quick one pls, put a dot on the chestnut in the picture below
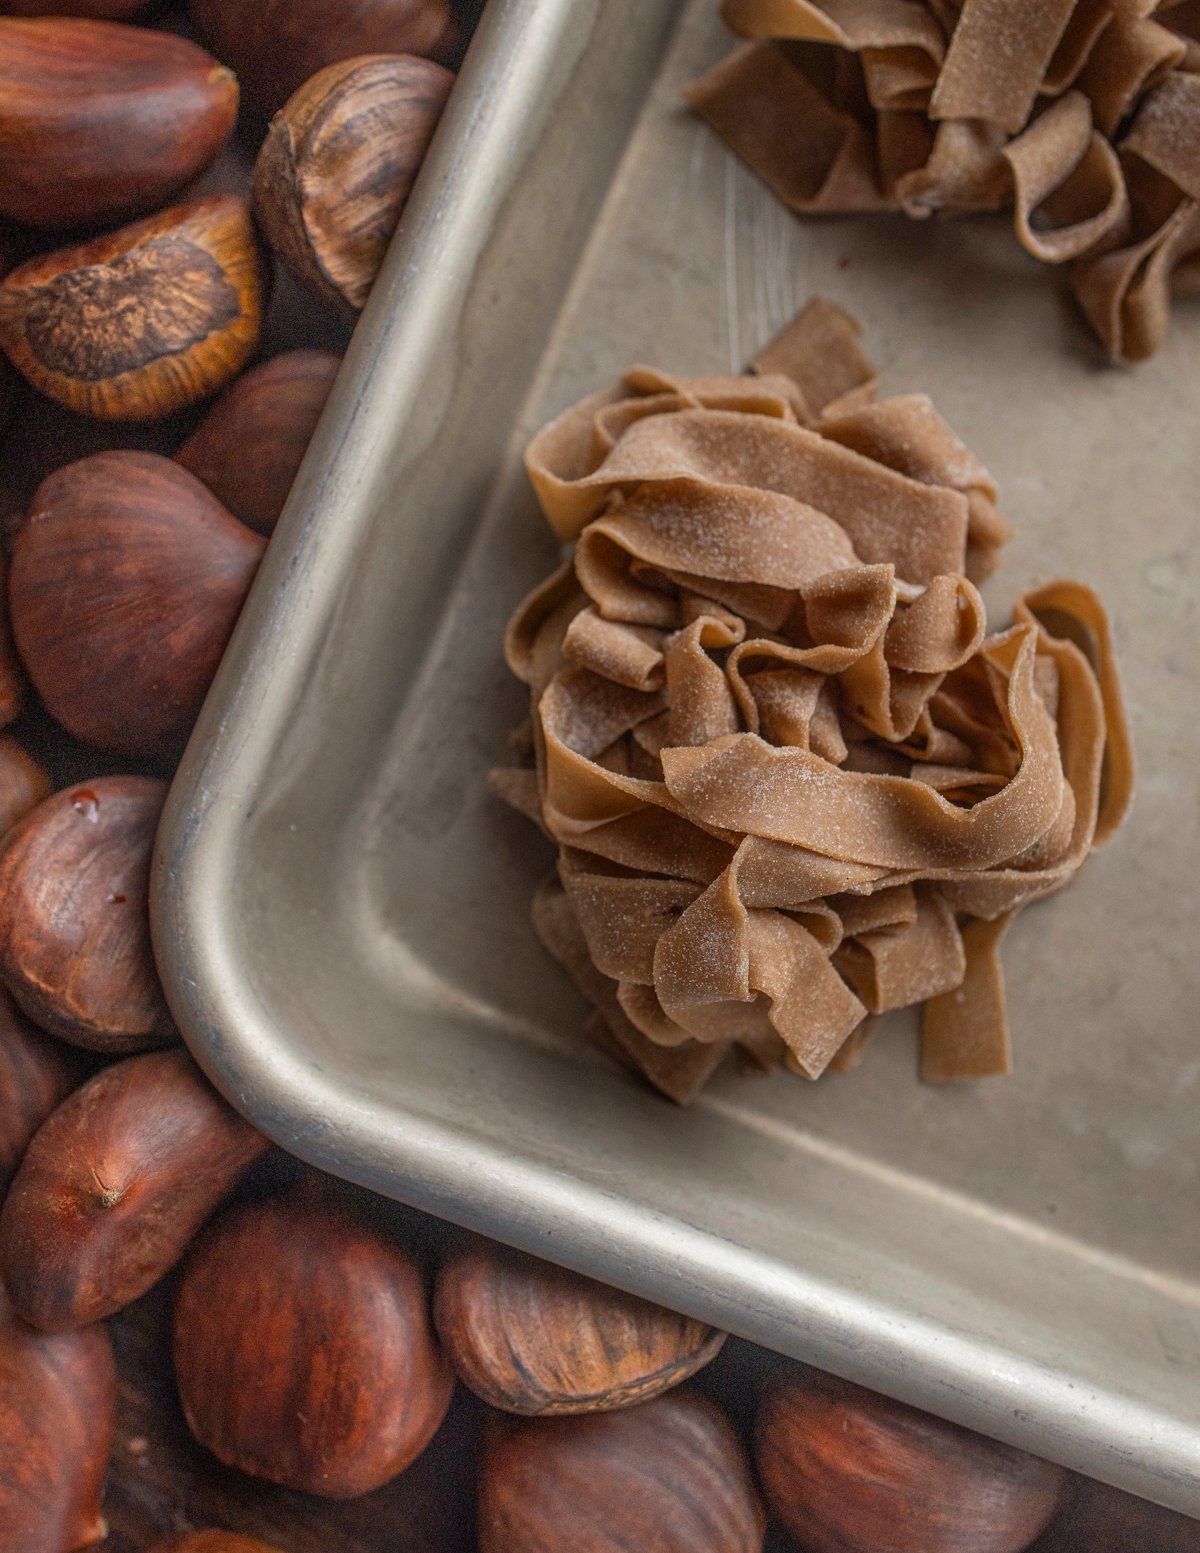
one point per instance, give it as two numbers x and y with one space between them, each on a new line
277 45
212 1542
668 1475
126 582
99 121
23 783
36 1073
532 1338
849 1471
74 929
338 165
303 1347
58 1398
272 409
115 1185
143 321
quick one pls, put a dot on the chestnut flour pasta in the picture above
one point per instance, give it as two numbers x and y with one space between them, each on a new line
794 779
1081 116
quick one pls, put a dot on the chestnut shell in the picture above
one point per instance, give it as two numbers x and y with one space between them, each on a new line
74 927
36 1074
277 45
58 1400
303 1347
532 1338
669 1475
273 409
140 322
849 1471
99 121
338 165
114 1187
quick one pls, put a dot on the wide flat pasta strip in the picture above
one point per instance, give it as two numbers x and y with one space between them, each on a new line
1127 293
816 156
678 1072
1166 132
964 1031
997 60
1046 107
820 352
1061 167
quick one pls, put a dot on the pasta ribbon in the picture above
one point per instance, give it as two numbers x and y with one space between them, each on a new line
794 779
1082 117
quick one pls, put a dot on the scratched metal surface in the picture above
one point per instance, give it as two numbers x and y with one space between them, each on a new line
341 914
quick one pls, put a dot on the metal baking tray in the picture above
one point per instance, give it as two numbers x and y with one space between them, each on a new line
342 911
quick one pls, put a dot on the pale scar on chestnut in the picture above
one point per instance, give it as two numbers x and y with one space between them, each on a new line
100 321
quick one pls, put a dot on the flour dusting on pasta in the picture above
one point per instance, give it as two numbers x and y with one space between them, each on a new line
794 777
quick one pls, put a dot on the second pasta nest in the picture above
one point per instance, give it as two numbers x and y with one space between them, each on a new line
1082 116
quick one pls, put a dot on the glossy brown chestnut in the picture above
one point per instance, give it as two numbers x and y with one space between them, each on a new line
532 1338
273 410
143 321
126 582
57 1403
212 1542
100 121
277 45
848 1471
23 783
303 1347
338 165
36 1074
114 1187
74 928
669 1475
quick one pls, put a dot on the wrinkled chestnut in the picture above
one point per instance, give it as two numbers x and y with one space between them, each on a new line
99 121
23 783
303 1347
532 1338
74 930
58 1399
848 1471
338 165
277 45
212 1542
144 321
668 1475
36 1074
114 1187
272 412
126 582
